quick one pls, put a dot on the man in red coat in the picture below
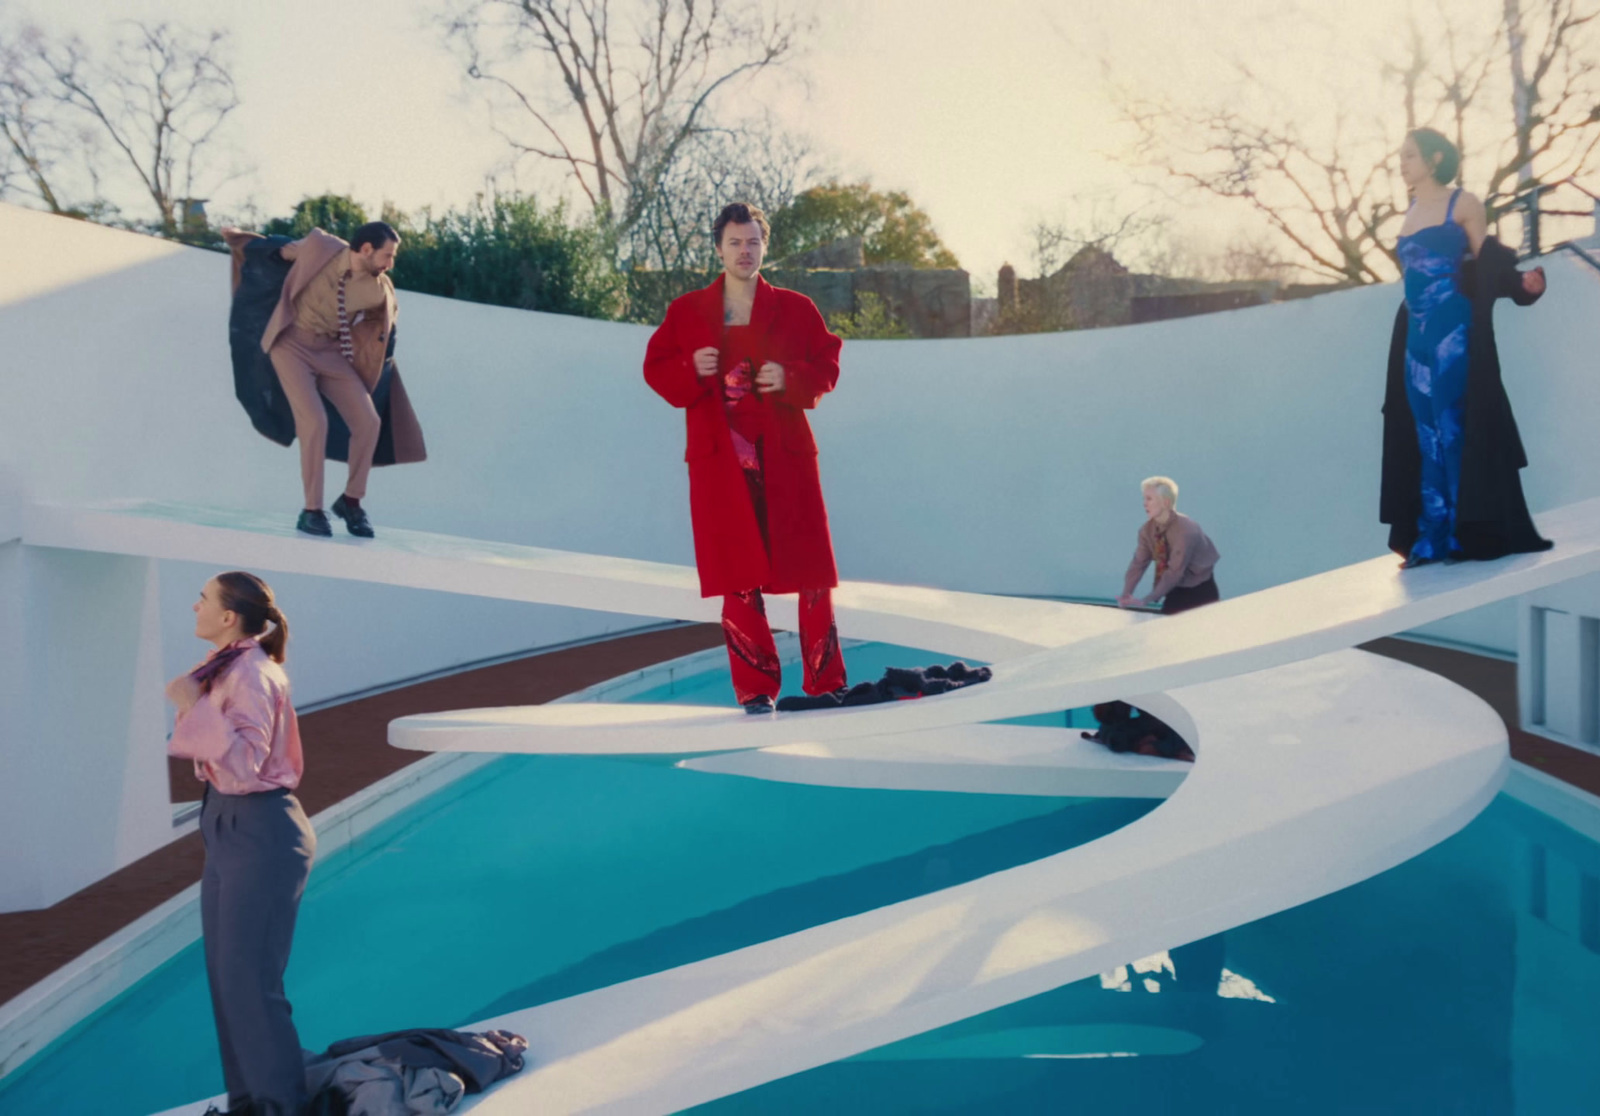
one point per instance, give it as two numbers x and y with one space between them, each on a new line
746 360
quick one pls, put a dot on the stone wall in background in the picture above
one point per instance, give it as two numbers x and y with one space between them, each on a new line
931 301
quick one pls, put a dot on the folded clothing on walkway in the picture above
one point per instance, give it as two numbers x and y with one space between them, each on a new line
897 684
420 1072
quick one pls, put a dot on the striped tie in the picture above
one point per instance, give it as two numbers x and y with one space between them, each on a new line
346 346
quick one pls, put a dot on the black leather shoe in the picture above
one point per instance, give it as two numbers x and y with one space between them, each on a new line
314 523
355 519
758 705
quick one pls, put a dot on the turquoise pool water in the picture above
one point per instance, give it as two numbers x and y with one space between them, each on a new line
540 877
1465 981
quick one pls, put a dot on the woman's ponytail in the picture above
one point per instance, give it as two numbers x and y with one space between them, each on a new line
276 642
251 599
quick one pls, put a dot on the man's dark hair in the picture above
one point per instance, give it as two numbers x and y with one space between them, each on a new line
1431 143
739 213
375 233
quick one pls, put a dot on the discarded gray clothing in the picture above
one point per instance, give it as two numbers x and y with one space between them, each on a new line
420 1072
373 1085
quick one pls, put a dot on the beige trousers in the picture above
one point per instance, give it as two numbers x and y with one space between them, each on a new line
309 367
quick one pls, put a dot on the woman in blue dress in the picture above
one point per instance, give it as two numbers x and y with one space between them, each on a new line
1451 488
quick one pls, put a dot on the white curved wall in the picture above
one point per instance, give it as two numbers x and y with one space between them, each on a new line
1003 465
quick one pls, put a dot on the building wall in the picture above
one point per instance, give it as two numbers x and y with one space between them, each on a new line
1092 291
1161 307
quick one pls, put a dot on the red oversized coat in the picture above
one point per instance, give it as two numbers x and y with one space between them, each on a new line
786 329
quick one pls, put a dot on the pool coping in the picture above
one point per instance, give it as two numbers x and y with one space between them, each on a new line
1572 806
36 1017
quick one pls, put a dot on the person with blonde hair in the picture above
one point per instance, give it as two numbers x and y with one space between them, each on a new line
1184 557
235 722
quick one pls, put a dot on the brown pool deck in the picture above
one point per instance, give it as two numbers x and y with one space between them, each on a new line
347 750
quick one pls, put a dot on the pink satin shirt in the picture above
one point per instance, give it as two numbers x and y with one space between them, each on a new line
243 735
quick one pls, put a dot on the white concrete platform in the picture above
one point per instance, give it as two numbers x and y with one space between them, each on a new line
1312 776
975 625
1297 620
971 759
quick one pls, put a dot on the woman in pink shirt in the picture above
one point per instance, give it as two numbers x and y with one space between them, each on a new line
235 722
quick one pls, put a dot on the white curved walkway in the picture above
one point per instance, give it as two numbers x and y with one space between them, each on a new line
1312 777
1289 622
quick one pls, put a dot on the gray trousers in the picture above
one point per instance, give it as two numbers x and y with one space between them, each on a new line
258 855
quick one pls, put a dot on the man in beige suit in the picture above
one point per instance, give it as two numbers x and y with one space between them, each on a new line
327 338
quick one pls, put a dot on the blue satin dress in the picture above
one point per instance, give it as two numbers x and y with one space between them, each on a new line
1436 372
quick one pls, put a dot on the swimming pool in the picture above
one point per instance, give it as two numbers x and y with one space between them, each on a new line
1462 981
536 878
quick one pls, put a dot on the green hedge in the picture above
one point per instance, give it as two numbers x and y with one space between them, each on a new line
505 250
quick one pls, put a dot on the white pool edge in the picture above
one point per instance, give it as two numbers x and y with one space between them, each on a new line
43 1013
1572 806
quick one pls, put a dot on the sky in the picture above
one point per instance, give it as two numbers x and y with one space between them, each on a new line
993 116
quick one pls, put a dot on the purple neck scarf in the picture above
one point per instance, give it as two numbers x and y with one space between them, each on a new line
213 668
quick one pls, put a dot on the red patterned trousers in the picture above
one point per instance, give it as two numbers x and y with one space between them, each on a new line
754 657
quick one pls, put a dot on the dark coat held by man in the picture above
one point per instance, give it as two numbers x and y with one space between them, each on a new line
269 295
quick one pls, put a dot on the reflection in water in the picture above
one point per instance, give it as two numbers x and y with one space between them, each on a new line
1232 986
1557 970
1156 966
1463 981
1105 1040
1160 968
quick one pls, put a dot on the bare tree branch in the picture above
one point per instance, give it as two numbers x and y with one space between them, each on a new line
1335 201
619 89
1100 227
33 140
161 98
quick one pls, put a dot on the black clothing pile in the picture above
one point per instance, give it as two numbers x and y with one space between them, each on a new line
897 684
1126 729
